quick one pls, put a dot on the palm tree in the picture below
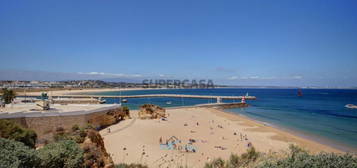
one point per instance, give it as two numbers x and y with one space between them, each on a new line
8 95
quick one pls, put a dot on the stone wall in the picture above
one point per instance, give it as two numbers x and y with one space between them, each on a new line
225 105
47 125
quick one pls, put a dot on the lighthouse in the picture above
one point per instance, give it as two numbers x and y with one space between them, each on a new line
243 99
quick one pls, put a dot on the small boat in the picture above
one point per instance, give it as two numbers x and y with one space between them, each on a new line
101 101
124 101
169 102
351 106
299 93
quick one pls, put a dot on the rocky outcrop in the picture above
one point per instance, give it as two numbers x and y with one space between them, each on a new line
109 118
151 111
95 154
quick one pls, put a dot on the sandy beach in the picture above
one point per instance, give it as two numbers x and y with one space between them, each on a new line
214 134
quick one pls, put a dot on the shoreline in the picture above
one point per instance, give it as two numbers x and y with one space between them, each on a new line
304 135
338 146
312 137
127 140
287 134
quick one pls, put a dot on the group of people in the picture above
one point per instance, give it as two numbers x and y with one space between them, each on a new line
173 143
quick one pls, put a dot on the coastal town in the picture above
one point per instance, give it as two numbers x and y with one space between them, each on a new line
73 84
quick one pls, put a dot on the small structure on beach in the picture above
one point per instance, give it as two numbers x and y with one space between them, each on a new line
151 111
44 103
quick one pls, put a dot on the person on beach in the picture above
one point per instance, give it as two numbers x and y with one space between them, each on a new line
249 145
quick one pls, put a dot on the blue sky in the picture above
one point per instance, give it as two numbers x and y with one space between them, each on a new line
233 42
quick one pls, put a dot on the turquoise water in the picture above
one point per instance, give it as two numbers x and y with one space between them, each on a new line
319 113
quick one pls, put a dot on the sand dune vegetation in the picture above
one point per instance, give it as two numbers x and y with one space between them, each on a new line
295 157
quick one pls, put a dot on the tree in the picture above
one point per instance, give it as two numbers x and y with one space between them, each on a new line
11 130
8 95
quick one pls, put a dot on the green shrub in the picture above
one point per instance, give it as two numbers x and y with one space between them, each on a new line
78 134
126 110
245 160
234 161
82 133
89 126
16 155
62 136
75 127
66 154
216 163
11 130
298 158
78 139
250 156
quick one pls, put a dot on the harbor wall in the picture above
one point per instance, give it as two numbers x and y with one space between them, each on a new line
225 105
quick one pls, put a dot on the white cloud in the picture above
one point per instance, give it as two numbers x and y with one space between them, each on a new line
94 73
255 77
111 75
233 78
296 77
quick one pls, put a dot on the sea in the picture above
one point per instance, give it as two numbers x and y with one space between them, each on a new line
319 114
